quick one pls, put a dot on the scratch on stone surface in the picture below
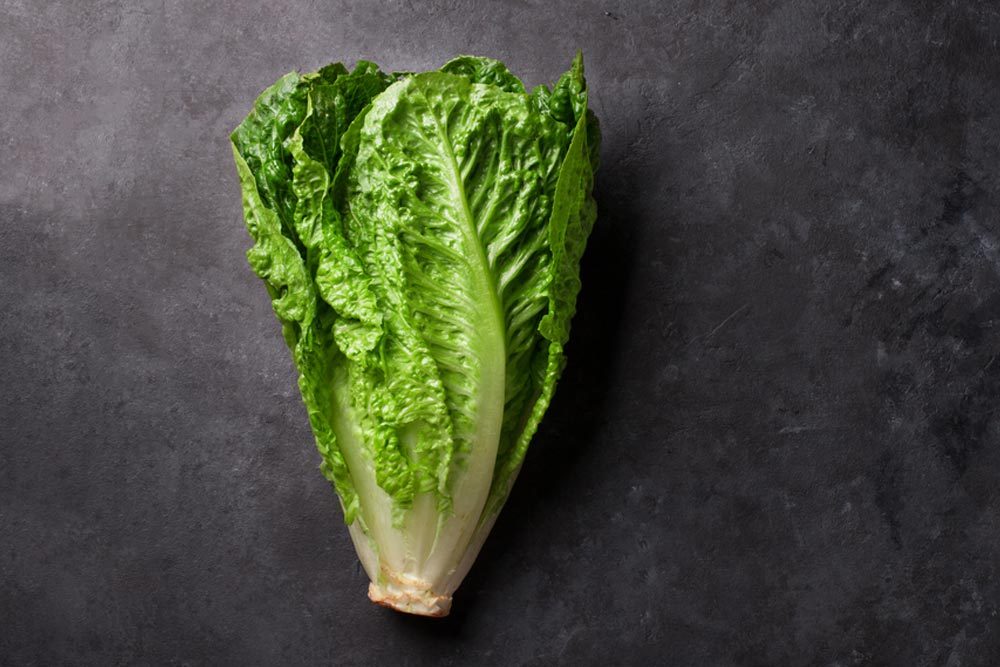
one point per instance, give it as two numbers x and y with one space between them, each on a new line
797 429
724 74
988 364
719 325
805 428
731 316
725 321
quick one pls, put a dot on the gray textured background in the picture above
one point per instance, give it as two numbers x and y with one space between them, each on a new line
778 439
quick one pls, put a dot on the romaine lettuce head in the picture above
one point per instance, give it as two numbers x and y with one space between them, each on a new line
420 237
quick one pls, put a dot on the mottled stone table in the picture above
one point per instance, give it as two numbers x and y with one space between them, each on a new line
778 439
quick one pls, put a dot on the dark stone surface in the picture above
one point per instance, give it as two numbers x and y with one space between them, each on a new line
778 439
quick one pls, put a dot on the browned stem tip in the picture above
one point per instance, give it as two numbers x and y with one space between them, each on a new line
409 597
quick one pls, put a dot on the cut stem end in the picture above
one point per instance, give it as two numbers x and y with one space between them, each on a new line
409 596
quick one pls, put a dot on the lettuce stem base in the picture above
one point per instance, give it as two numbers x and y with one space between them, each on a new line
408 595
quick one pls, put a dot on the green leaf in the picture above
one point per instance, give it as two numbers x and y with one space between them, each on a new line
485 71
290 217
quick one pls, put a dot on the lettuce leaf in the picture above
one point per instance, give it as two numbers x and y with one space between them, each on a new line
420 236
